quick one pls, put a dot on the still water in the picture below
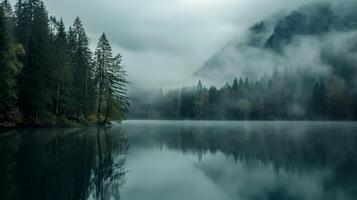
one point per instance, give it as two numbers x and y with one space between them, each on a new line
170 160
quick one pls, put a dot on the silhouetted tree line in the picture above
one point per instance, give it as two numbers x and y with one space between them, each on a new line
277 142
281 96
48 74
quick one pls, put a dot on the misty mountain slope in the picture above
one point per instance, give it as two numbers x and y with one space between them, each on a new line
319 38
308 20
313 19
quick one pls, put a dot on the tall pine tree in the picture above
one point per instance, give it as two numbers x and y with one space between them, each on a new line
61 72
7 9
33 32
81 62
104 59
117 100
9 68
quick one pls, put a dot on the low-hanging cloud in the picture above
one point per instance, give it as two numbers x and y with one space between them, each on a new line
314 53
165 42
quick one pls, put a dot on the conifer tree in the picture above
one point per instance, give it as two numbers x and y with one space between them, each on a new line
33 32
9 68
18 8
241 82
103 63
9 19
246 83
235 85
116 89
7 9
61 74
199 86
81 62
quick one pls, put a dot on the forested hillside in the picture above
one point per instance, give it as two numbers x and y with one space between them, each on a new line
318 38
48 74
298 66
281 97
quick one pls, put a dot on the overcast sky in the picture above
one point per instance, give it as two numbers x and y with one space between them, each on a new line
164 42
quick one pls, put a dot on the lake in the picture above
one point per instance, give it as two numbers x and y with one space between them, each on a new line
182 160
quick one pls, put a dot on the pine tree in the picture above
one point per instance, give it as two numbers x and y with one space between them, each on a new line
10 19
61 74
9 68
318 99
246 83
18 8
7 9
33 32
81 62
117 98
104 59
235 85
199 86
201 105
241 83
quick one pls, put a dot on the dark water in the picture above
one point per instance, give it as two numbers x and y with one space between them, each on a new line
156 160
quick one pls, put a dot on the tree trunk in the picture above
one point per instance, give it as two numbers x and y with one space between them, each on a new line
99 107
57 98
86 94
99 101
109 102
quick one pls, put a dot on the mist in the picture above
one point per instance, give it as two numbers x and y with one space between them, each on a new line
165 42
308 51
178 99
304 53
235 59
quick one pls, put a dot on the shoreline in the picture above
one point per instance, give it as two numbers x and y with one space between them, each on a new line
5 125
89 124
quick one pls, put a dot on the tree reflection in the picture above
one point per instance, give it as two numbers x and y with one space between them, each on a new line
292 148
62 164
109 170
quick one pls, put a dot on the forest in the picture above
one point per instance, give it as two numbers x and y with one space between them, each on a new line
48 74
288 95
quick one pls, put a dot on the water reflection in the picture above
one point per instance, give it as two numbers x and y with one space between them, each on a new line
182 160
62 164
252 160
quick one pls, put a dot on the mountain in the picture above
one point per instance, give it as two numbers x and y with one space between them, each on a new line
319 37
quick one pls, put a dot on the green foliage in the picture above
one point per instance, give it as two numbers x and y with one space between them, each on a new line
33 32
309 20
117 92
201 105
47 74
61 70
110 77
9 68
81 63
235 85
288 96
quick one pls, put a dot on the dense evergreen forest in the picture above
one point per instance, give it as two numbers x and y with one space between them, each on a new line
281 96
49 76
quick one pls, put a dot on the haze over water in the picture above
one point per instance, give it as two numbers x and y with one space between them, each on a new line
182 160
